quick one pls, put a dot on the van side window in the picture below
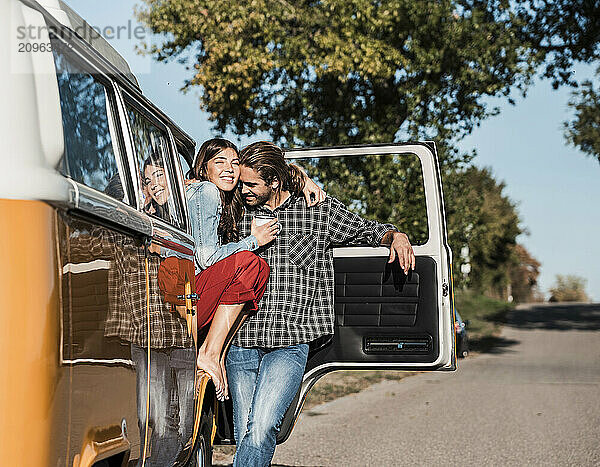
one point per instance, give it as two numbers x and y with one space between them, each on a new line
402 203
91 152
156 174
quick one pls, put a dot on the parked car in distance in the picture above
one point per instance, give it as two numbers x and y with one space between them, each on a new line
462 337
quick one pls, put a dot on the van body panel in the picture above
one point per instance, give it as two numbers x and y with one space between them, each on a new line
35 389
31 128
93 260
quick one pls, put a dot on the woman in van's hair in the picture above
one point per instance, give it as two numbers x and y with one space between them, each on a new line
230 279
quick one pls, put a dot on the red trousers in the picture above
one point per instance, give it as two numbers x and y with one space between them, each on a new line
239 278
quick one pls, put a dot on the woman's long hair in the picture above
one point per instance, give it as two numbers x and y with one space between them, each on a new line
231 201
268 161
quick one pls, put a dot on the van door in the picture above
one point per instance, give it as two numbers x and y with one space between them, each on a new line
385 319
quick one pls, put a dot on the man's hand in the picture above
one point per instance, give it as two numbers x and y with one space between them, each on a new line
312 192
400 247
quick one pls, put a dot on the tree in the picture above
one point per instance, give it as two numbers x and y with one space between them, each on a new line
335 72
344 71
523 275
583 131
478 212
569 288
561 33
492 236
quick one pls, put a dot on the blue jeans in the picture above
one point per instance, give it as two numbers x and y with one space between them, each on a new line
262 383
171 400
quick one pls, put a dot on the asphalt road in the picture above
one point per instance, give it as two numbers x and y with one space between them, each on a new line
535 400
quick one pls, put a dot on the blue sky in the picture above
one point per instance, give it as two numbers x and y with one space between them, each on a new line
555 187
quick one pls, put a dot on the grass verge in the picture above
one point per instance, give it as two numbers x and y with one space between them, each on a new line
486 317
342 383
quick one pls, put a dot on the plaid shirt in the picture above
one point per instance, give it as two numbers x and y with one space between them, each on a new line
298 304
126 317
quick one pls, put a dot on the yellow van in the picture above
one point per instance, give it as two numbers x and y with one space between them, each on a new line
93 216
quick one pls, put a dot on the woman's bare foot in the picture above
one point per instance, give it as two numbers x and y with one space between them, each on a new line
212 366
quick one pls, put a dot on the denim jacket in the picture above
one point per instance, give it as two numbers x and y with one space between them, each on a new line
204 202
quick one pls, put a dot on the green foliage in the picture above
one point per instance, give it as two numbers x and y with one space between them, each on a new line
486 317
386 187
560 33
335 72
569 288
584 130
491 232
343 71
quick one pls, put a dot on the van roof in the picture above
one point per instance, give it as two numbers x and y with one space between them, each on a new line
86 33
102 47
98 43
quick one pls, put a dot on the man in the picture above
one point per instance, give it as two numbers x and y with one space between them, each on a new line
266 364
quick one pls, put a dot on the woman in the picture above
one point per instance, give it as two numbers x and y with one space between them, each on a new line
229 278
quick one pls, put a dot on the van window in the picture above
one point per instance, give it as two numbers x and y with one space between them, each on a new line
151 145
91 153
403 203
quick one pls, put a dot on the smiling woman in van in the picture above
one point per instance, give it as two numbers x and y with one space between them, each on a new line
229 278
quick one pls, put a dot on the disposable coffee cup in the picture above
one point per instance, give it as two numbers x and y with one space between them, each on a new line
261 219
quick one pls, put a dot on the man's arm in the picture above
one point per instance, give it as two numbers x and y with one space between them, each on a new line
346 228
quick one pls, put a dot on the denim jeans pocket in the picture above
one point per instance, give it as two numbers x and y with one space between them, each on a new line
243 358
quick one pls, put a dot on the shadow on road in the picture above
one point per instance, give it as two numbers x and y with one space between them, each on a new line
492 344
560 317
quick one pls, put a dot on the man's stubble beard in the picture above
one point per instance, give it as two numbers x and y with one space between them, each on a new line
260 200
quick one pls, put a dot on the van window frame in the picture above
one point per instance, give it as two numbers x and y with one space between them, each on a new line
183 150
84 58
434 208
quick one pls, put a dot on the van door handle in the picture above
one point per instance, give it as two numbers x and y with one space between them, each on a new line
102 443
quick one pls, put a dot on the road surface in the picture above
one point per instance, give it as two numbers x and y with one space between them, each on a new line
535 400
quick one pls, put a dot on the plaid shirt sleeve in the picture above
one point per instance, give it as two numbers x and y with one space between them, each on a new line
348 228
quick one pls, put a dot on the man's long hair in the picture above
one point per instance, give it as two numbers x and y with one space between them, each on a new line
231 201
268 161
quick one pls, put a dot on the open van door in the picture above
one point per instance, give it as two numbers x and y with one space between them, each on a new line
384 319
